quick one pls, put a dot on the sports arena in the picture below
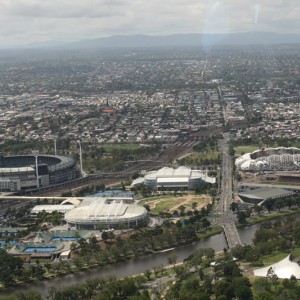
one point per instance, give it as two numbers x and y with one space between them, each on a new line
270 159
169 179
99 213
27 172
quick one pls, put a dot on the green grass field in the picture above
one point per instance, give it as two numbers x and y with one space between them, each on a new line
166 204
296 253
245 149
274 258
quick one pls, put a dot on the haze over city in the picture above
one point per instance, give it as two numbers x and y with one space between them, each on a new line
31 22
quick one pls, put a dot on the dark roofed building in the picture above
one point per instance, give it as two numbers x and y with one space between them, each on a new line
258 196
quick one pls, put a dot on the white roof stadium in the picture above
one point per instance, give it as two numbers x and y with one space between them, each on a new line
281 158
170 177
103 211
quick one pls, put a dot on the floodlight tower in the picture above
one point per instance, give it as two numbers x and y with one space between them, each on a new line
80 156
55 140
36 154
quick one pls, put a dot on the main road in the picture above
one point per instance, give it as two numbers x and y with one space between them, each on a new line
227 218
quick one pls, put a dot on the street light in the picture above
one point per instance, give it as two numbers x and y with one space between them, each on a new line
36 154
80 156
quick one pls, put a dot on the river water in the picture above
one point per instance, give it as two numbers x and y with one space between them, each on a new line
137 265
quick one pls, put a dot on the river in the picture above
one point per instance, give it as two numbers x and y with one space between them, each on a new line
135 266
140 264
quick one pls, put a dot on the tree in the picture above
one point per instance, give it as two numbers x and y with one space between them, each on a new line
105 236
147 206
278 204
205 223
147 273
233 206
172 258
181 209
241 217
258 209
10 267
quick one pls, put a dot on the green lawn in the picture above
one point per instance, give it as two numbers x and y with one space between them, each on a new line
272 216
245 149
274 258
296 253
165 204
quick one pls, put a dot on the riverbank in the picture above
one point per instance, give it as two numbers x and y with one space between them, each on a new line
268 217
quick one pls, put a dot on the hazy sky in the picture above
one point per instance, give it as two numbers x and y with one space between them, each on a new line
35 21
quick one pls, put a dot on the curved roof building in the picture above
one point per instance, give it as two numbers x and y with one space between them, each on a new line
182 178
94 213
280 158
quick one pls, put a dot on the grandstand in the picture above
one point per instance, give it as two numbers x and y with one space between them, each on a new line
19 173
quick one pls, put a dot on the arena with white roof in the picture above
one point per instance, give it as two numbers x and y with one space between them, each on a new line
280 158
97 213
182 178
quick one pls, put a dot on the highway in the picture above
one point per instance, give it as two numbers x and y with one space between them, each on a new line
227 218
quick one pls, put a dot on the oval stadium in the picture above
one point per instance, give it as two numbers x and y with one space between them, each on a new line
19 173
106 213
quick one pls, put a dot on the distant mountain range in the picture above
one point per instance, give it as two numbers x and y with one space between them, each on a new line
176 40
181 40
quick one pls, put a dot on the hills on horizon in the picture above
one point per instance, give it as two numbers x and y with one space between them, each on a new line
193 39
206 41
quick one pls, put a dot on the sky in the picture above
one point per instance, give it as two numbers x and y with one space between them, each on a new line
25 22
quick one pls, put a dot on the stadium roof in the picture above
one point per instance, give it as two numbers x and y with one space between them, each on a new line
96 211
52 208
17 170
180 172
172 179
71 201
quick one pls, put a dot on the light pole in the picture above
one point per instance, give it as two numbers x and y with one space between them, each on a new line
55 139
80 156
36 154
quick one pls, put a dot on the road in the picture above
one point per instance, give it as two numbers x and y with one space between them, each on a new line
227 218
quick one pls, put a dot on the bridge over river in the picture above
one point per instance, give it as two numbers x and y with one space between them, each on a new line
227 217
